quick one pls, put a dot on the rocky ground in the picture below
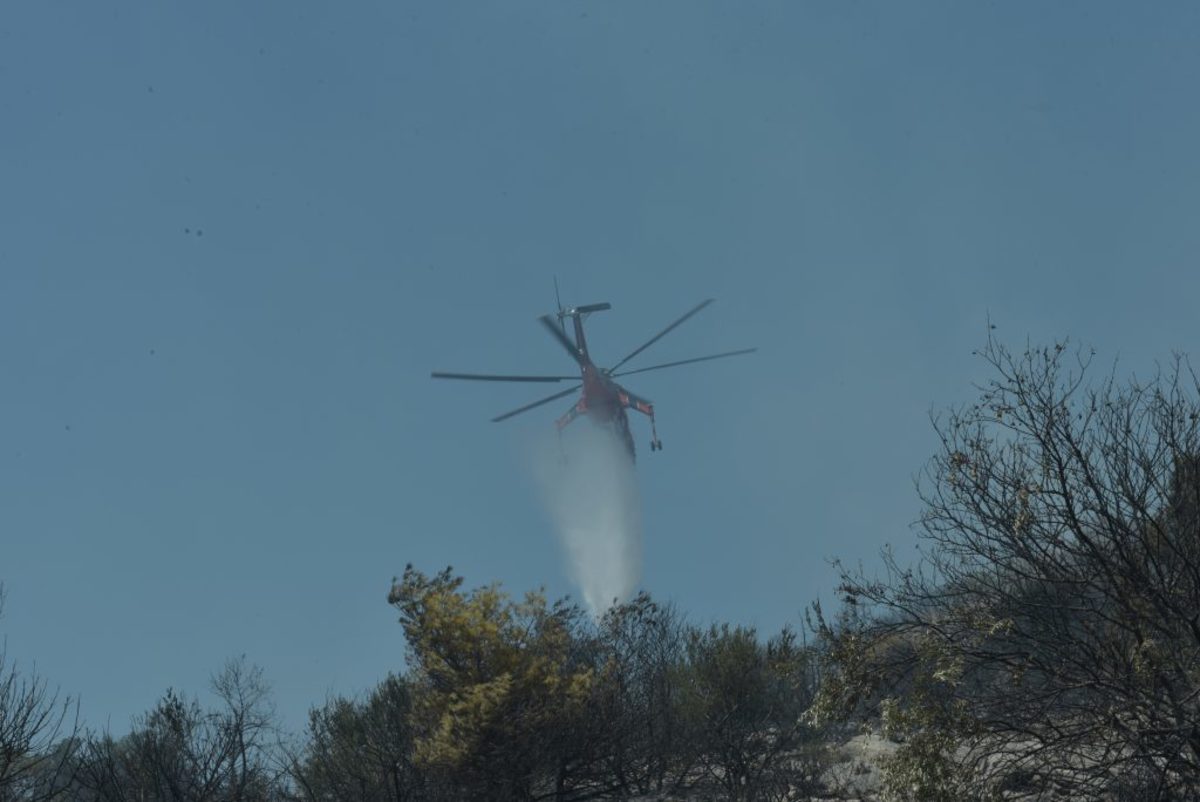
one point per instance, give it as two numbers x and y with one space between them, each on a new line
853 775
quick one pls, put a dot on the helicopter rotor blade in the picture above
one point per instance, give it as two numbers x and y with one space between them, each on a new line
487 377
661 334
559 335
528 407
558 302
685 362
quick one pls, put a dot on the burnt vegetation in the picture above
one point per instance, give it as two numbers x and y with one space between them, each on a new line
1046 645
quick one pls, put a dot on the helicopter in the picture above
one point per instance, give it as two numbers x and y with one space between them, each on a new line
602 400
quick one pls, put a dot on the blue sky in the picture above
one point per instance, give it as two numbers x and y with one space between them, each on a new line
236 237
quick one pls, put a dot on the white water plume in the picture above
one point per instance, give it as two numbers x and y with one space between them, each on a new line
591 493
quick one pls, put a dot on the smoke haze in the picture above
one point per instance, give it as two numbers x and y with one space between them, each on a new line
590 490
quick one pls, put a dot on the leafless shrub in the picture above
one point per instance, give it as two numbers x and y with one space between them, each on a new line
37 733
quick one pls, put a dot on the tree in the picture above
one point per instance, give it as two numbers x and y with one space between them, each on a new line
247 723
362 750
180 752
639 659
37 734
745 701
500 688
1051 636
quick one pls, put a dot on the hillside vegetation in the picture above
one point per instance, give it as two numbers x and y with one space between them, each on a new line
1046 646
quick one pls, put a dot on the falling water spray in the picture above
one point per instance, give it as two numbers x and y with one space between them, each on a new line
590 491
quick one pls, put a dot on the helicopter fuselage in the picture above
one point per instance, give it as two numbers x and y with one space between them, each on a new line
602 399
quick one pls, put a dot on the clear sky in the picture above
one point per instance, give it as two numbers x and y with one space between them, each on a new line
235 237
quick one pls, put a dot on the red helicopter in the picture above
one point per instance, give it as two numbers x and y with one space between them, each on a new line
603 400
